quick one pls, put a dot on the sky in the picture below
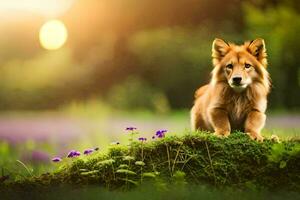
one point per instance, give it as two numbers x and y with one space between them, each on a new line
46 8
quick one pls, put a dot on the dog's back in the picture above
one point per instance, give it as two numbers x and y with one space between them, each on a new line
201 91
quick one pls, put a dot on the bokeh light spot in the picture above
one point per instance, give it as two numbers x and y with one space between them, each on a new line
53 34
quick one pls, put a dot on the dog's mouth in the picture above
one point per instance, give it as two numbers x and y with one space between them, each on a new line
238 87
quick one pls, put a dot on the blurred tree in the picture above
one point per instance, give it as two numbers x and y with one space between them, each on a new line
136 94
178 57
280 27
166 44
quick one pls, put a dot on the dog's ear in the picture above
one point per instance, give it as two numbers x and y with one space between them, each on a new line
219 50
258 49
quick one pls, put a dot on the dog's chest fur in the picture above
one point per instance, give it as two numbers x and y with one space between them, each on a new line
238 105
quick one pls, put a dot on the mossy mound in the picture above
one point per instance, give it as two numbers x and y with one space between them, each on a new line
196 158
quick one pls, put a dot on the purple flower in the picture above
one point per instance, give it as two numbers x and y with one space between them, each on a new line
77 153
56 159
88 151
73 153
142 139
130 128
161 133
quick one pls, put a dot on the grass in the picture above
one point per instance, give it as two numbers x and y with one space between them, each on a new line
199 159
183 165
149 192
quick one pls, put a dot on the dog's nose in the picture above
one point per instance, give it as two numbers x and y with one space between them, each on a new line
237 80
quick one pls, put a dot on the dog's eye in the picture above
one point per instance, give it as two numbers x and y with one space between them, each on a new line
247 66
229 66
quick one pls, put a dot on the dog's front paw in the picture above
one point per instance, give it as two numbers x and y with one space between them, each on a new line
255 136
221 133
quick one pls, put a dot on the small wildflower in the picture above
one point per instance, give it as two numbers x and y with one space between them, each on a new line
56 159
73 153
88 151
77 153
142 139
161 133
130 128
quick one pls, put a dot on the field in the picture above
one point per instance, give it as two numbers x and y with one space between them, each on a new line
30 140
95 99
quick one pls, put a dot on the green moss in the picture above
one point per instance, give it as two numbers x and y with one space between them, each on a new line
196 158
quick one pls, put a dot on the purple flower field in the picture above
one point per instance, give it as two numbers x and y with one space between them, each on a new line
63 130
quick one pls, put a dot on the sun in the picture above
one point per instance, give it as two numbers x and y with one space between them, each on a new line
53 34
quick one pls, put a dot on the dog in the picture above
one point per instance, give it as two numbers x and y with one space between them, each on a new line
236 97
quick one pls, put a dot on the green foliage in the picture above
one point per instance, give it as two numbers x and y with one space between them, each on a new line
126 171
149 174
279 27
136 94
123 166
179 178
89 173
197 158
277 152
128 158
140 163
176 60
106 162
19 161
27 83
282 154
149 192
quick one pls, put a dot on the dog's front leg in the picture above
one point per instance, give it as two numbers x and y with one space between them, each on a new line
219 121
254 123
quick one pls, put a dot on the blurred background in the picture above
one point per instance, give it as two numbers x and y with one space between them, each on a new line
75 73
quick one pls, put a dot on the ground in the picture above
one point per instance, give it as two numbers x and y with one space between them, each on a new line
30 140
195 159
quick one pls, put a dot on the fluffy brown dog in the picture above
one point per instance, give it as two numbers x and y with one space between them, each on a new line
236 97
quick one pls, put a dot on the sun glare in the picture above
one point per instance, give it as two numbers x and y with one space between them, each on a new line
47 8
53 34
